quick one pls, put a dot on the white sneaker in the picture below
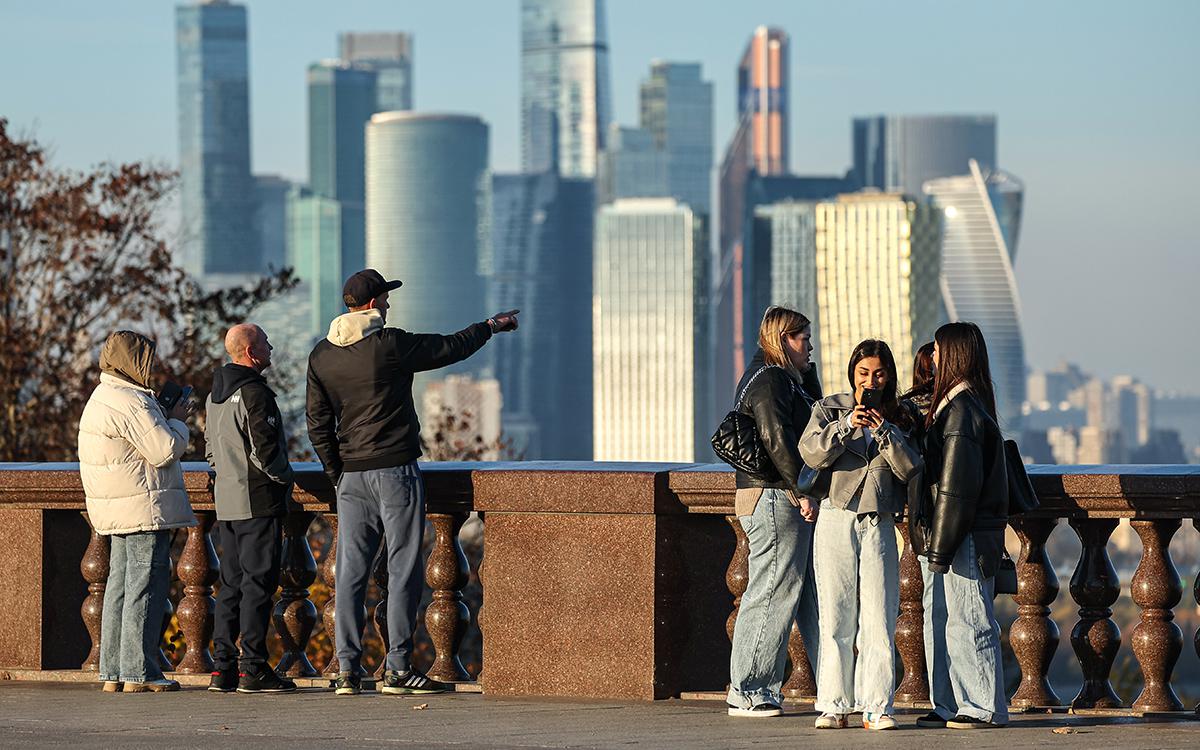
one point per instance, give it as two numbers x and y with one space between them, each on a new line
831 721
761 711
878 721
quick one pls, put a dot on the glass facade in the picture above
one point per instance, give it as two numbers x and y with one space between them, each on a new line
542 265
677 110
763 97
341 99
902 153
979 284
390 55
649 314
216 188
325 245
270 219
632 166
565 95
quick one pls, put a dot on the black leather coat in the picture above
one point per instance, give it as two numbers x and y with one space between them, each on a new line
780 412
966 487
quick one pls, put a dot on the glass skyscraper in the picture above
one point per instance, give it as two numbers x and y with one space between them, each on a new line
649 313
631 166
341 99
978 279
216 187
763 97
902 152
565 99
390 55
677 110
542 265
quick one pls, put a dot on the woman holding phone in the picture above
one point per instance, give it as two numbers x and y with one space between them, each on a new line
863 440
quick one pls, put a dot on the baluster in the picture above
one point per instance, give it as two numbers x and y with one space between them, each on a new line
329 613
737 577
295 616
1034 636
198 570
802 683
447 616
1196 596
380 614
1157 641
1096 639
94 568
910 626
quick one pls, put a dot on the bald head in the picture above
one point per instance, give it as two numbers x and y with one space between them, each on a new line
247 345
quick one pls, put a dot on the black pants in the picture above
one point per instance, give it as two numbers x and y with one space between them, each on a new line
249 576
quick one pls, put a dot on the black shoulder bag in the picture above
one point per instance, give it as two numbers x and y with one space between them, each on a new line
736 441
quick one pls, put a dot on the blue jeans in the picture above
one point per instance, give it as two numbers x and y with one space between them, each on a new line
858 589
780 584
962 641
374 505
139 572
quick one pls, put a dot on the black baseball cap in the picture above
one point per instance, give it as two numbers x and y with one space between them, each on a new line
365 286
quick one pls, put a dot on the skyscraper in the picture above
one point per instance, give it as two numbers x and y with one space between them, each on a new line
390 55
428 196
341 99
565 99
542 265
901 153
270 219
326 243
978 282
216 187
631 166
677 110
649 312
763 97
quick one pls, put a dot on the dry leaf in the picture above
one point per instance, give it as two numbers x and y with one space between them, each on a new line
420 706
1065 730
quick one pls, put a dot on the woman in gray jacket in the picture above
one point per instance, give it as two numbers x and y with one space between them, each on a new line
870 459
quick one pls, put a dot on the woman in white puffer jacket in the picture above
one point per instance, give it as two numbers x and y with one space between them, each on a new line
129 455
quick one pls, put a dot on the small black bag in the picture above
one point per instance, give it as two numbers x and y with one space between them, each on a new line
736 441
1006 577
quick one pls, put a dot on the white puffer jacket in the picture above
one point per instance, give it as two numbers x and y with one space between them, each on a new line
129 461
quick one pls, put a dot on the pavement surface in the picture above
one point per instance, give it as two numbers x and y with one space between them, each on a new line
50 715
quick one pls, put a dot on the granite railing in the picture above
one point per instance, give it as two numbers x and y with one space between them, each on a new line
610 580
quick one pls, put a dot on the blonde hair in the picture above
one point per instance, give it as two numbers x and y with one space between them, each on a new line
775 323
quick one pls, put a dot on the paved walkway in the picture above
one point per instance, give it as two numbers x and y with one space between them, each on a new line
37 715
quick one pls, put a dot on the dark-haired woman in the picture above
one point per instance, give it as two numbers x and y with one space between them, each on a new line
870 461
922 381
775 390
958 530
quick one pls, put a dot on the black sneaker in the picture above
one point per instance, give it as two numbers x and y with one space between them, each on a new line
223 681
347 684
761 711
932 720
970 722
264 681
411 682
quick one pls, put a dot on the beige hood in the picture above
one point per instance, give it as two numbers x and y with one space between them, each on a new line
354 327
129 356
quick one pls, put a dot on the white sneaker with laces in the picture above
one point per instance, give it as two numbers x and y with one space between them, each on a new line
878 721
831 721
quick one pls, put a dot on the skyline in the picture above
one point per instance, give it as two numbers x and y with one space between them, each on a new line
1106 135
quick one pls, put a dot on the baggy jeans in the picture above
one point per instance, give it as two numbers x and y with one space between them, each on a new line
962 641
858 591
374 504
780 586
135 599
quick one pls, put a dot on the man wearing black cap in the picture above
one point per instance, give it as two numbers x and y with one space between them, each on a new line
363 426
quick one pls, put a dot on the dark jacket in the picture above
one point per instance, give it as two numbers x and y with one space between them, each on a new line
360 407
781 408
246 446
966 486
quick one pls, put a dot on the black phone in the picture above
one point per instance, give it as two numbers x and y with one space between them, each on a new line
871 398
172 394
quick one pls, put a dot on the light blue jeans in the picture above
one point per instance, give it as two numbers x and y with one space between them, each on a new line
780 587
962 641
858 591
135 598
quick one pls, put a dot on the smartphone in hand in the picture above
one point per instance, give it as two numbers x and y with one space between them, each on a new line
871 398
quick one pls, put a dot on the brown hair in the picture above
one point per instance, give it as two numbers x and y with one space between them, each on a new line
962 358
892 411
775 323
922 382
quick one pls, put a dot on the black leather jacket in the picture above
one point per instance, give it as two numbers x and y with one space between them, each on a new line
966 487
780 412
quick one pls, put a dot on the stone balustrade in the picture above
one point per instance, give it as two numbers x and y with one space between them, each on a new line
609 580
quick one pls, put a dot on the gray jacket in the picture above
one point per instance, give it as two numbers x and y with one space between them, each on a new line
246 446
863 478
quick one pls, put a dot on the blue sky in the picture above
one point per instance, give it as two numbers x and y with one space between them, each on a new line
1098 106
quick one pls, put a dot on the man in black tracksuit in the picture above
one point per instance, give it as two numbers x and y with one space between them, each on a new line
363 425
247 448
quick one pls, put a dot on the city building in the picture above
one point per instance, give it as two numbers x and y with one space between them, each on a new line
270 219
341 99
428 207
542 265
649 313
565 91
978 283
217 191
677 110
326 244
763 98
389 54
902 153
631 166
